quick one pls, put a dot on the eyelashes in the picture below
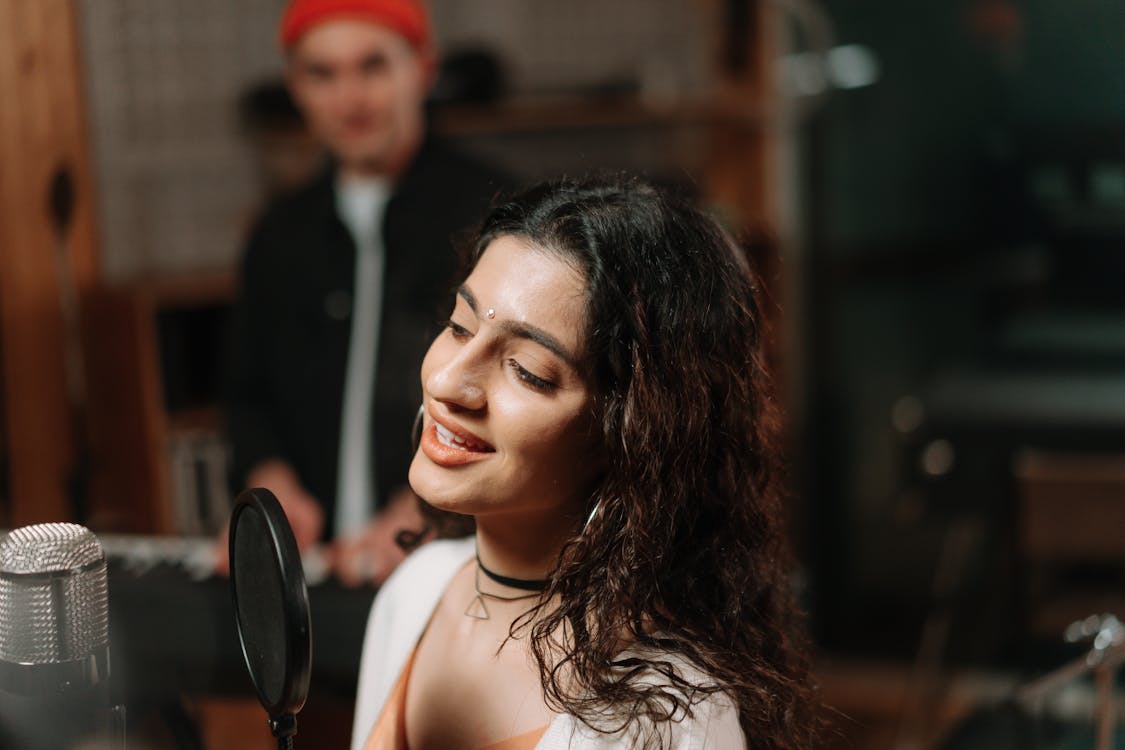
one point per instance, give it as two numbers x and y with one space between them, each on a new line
531 378
460 333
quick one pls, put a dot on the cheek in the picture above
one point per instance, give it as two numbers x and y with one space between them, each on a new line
310 101
324 115
552 445
571 465
407 91
585 450
376 93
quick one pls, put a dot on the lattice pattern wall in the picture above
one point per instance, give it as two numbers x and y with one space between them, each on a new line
163 77
563 46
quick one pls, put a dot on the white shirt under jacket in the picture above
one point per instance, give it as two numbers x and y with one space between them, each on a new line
400 614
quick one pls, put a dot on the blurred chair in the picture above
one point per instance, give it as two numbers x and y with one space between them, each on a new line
1071 537
1054 711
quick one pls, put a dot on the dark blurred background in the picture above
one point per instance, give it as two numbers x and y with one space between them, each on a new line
934 192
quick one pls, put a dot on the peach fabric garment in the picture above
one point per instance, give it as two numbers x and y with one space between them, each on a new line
389 732
525 741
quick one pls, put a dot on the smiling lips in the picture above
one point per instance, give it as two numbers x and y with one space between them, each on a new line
447 448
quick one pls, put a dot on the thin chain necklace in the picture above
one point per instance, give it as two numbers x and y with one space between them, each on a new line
477 608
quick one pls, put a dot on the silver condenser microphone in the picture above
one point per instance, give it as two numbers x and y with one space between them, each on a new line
54 639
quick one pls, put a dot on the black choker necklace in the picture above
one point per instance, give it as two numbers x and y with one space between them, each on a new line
523 584
477 608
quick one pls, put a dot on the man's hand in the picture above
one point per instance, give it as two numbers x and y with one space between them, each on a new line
370 555
304 513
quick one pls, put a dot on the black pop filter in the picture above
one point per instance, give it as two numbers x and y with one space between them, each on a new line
271 608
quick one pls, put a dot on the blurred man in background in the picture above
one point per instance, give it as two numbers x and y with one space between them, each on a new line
342 281
285 153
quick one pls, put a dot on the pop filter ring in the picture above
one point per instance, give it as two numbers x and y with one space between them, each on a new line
295 616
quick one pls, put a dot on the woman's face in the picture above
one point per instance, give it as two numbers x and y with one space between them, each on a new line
509 425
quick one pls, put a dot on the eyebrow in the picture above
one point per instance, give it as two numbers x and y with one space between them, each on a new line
375 57
314 67
523 330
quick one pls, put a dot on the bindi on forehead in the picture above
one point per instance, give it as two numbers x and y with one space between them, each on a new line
520 329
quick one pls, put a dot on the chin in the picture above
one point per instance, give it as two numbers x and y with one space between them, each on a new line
434 484
370 153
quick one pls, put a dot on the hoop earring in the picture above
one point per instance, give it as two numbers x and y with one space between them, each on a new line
416 430
593 512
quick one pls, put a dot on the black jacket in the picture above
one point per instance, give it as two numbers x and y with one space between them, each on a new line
292 322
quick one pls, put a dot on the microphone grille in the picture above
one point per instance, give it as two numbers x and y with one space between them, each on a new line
49 547
54 604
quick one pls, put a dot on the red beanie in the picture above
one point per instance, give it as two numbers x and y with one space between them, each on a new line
407 17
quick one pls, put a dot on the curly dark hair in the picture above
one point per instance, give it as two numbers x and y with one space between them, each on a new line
685 550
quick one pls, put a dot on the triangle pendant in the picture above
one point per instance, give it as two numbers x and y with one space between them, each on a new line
476 609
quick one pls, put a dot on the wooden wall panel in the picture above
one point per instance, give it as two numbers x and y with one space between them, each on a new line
739 179
42 130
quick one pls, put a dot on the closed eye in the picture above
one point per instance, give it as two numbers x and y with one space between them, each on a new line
318 73
530 378
458 331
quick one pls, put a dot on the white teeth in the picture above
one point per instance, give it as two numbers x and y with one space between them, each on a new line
444 436
447 438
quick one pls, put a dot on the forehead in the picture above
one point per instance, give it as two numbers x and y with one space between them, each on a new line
531 284
339 39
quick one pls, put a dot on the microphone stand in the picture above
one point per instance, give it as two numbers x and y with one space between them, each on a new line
117 727
284 727
1106 654
61 201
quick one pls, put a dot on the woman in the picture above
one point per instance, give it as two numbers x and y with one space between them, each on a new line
599 404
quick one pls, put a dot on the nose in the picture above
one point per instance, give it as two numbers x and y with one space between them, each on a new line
458 381
352 88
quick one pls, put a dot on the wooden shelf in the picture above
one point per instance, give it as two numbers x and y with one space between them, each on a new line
563 113
130 424
188 290
199 419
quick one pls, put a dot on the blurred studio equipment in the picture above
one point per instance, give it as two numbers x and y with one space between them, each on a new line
1057 709
54 641
271 606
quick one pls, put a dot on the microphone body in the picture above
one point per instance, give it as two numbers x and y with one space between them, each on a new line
54 639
